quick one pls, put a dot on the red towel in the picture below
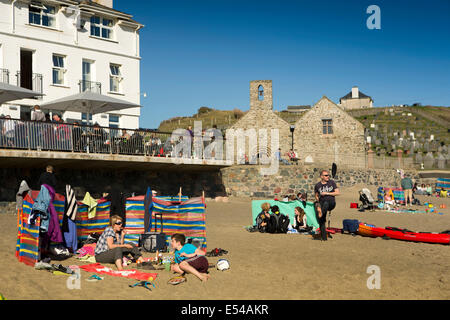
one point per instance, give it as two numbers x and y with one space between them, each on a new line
129 273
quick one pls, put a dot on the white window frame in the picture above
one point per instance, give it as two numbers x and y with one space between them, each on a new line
115 77
42 14
102 26
61 70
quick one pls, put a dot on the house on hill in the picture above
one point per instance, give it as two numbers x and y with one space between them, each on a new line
355 99
327 134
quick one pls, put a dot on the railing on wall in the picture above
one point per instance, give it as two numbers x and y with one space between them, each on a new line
32 81
91 86
4 75
68 137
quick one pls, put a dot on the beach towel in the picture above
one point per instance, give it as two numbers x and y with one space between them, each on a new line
87 249
129 273
71 206
92 205
287 208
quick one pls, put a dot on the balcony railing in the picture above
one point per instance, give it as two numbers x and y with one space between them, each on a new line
32 81
50 136
92 86
4 75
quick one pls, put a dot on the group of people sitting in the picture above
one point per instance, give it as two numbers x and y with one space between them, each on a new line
271 220
425 190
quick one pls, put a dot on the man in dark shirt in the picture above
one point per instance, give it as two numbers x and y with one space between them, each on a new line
325 192
48 178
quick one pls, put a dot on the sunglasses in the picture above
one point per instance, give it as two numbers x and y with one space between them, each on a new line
118 223
326 175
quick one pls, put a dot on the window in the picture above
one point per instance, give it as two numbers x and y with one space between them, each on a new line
327 126
114 78
101 27
260 93
84 118
42 15
114 124
58 69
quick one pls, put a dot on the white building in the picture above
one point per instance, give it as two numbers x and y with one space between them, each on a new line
61 47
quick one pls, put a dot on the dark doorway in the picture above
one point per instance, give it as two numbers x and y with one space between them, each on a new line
26 69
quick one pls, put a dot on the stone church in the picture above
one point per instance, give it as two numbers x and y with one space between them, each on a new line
261 116
327 134
324 134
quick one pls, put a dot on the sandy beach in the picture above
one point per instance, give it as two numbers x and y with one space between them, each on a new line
266 266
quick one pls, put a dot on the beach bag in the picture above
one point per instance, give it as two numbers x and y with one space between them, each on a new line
443 194
350 225
353 205
154 241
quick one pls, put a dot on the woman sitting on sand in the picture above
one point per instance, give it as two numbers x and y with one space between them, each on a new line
300 221
263 217
110 246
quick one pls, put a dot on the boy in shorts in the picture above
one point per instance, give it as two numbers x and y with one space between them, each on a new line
188 258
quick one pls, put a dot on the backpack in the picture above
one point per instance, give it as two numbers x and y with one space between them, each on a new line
350 225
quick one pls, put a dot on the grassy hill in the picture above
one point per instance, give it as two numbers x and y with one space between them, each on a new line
381 123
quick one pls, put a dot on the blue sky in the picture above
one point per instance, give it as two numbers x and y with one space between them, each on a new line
205 53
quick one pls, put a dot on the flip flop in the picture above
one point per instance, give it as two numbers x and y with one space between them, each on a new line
177 280
143 284
94 278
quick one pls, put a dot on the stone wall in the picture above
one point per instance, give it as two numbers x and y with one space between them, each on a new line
350 104
345 145
246 181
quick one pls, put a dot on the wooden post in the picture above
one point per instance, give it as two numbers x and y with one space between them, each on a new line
180 195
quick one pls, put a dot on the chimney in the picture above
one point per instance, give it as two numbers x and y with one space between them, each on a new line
355 92
106 3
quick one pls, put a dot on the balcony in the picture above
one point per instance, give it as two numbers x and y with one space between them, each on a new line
91 86
4 75
31 81
29 143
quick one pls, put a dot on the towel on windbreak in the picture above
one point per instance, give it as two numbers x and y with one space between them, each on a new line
92 205
71 206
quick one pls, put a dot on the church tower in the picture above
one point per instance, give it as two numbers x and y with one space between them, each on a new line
261 95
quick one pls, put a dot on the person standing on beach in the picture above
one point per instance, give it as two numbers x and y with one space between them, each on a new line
407 186
325 192
48 177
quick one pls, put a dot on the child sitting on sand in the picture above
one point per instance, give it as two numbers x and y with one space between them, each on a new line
263 218
388 201
278 222
188 258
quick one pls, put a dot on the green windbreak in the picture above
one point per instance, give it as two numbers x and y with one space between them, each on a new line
287 208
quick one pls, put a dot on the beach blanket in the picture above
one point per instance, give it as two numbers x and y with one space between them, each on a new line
129 273
399 194
187 217
287 208
87 249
